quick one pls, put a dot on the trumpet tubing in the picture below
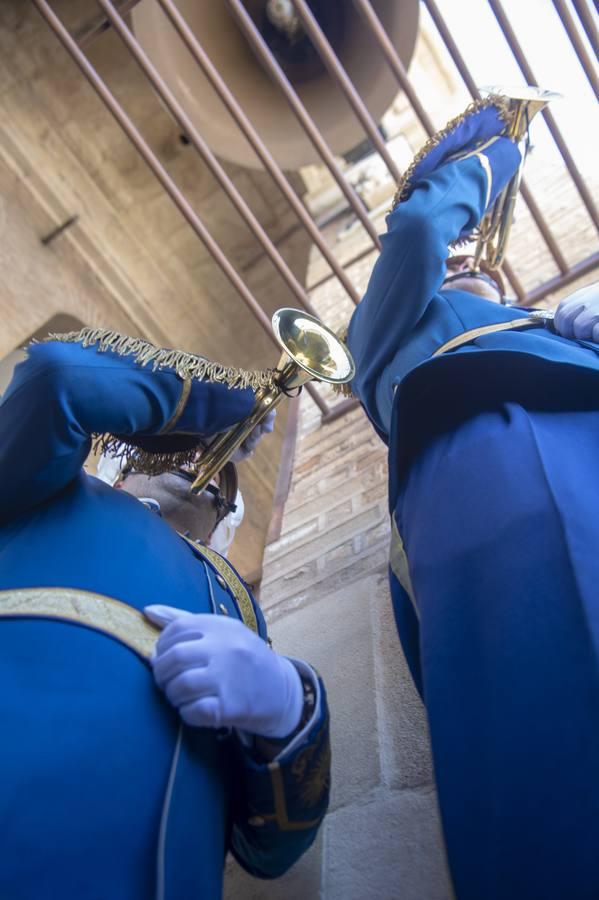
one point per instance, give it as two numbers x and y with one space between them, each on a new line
310 352
495 227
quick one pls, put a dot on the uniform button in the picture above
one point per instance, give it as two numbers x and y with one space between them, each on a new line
256 821
223 609
220 580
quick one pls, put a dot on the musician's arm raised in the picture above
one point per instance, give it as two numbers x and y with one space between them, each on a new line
443 206
63 393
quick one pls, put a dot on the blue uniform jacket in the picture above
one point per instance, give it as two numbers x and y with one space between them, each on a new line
405 316
91 753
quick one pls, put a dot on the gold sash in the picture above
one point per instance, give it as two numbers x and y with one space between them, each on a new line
119 620
532 321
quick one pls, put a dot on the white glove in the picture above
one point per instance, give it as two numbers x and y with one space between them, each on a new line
577 316
252 440
218 673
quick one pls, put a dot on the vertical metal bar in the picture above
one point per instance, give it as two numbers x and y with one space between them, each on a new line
468 80
254 139
556 134
88 33
367 12
340 76
301 113
586 20
164 178
211 161
579 48
452 47
537 216
514 281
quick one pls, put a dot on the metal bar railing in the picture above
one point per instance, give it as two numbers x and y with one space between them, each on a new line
342 79
340 409
468 80
257 42
113 12
160 172
579 48
206 153
541 224
375 25
88 33
255 141
586 20
555 132
553 284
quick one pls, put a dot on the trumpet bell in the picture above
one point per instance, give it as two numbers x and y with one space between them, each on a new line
521 92
312 347
525 96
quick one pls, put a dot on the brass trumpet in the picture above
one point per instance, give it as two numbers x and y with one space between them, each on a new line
524 103
311 351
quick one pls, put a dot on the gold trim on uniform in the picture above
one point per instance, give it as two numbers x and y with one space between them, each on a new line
185 392
186 365
398 561
484 161
500 103
232 580
113 617
280 814
466 336
315 760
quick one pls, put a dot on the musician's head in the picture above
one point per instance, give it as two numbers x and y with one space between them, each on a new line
484 282
212 516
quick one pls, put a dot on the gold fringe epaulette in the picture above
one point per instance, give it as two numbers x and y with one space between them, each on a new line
186 365
343 390
496 100
143 462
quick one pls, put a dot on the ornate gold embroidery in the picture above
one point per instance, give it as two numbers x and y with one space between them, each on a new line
113 617
280 814
317 760
232 580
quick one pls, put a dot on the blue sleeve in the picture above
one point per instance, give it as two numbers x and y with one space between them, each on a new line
64 393
280 805
444 206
